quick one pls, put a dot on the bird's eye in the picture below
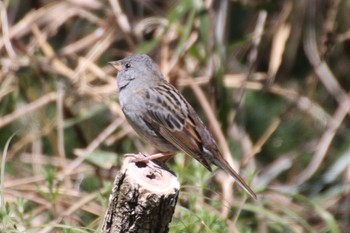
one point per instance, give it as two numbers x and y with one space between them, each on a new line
127 65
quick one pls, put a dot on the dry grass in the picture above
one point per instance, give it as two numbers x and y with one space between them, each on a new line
270 80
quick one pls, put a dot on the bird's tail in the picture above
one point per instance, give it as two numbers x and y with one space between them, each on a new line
223 164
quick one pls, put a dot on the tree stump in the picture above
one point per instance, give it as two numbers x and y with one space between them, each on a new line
143 199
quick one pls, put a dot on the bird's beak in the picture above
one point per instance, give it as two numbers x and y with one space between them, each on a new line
116 64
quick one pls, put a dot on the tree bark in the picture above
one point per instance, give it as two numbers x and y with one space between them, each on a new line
143 199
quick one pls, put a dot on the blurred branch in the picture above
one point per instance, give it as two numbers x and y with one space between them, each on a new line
333 87
50 17
83 153
257 35
58 65
28 108
329 25
72 208
279 42
324 142
5 31
320 67
83 43
305 104
252 58
122 22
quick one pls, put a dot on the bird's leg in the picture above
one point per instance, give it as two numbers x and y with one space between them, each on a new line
163 157
135 156
167 156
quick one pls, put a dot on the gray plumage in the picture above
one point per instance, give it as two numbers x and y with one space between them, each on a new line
162 116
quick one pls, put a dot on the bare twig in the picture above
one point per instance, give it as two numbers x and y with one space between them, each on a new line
92 146
279 42
27 109
5 31
122 21
325 141
320 67
252 58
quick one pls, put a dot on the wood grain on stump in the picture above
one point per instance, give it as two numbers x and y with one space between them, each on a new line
143 199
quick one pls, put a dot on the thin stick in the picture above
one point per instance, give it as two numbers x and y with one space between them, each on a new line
324 142
28 108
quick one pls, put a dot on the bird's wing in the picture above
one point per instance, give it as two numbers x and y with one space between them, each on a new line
175 120
168 114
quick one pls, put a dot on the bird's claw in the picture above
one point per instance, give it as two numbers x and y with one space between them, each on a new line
137 158
142 158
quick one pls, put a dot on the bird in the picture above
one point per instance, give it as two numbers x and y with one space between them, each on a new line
162 117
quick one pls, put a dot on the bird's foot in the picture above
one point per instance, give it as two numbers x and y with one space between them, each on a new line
140 157
136 157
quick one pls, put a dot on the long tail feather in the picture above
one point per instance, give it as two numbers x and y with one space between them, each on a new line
222 163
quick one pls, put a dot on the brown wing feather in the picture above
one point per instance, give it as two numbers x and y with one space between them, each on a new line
188 141
181 127
173 122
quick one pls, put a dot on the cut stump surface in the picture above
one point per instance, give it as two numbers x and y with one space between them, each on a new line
143 199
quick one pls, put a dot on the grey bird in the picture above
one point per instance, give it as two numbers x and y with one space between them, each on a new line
162 117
